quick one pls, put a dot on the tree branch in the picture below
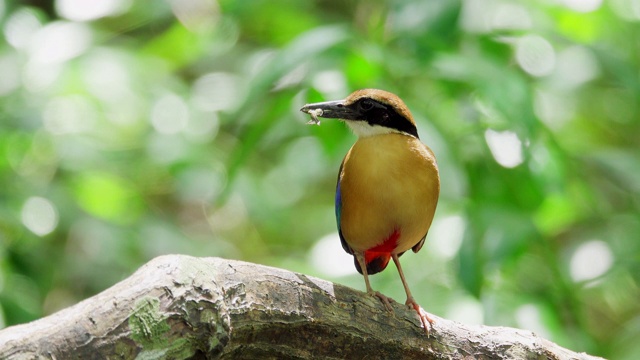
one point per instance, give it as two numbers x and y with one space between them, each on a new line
180 307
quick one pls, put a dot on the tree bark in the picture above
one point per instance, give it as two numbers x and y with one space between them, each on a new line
181 307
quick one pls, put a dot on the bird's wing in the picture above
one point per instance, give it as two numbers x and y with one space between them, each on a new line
420 243
418 246
338 204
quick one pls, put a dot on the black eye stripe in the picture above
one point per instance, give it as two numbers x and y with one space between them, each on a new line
377 113
367 104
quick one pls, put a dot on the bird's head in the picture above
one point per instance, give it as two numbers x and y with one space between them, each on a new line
368 112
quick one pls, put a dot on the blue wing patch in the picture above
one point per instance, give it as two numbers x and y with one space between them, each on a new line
339 211
338 204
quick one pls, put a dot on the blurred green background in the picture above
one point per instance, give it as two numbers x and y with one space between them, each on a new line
130 130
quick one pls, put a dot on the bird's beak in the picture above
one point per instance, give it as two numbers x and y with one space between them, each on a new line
331 110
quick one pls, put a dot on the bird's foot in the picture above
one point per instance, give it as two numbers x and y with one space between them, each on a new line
427 322
383 298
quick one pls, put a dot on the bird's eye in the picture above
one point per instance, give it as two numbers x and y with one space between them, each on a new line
366 104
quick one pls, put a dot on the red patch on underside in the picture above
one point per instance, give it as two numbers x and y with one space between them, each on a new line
384 249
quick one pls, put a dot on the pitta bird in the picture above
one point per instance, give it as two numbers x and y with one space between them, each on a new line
388 185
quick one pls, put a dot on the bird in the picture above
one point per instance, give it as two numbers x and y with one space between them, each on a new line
387 188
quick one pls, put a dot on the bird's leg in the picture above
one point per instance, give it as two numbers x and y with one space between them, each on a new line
427 322
370 291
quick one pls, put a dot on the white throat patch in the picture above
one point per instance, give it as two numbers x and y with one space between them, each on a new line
364 129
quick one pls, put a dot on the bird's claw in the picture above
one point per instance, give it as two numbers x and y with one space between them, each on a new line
427 322
384 299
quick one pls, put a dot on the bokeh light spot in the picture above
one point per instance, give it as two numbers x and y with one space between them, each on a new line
626 9
474 16
166 149
68 115
467 311
40 77
195 15
535 55
554 109
202 127
590 260
576 65
510 16
20 28
505 147
217 92
331 83
39 216
82 10
445 235
106 75
59 41
529 317
583 5
328 257
201 184
169 114
9 74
